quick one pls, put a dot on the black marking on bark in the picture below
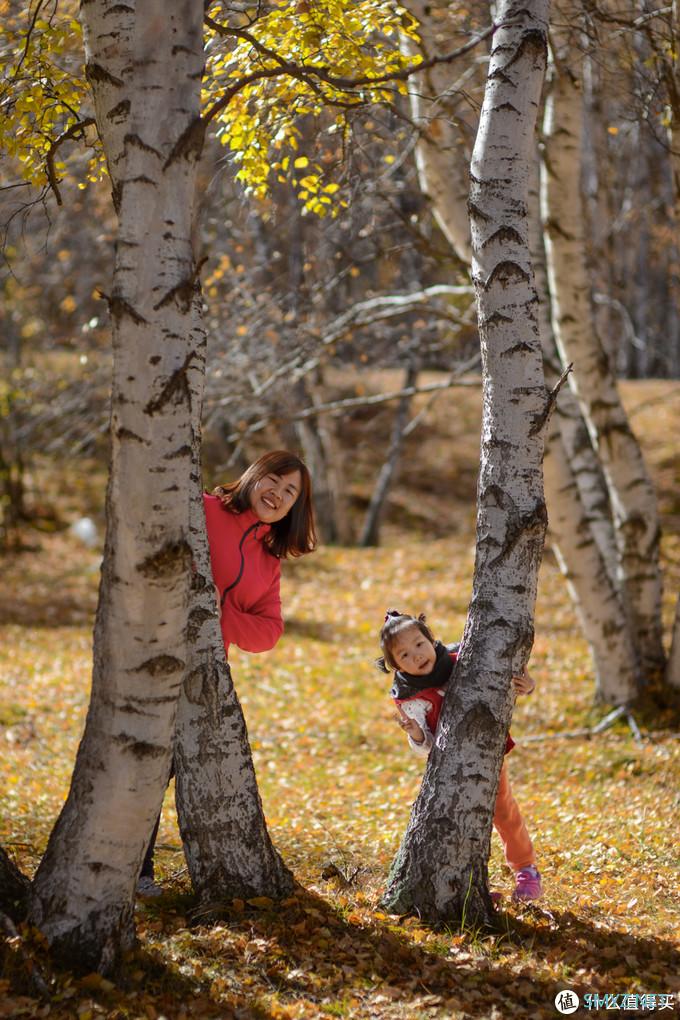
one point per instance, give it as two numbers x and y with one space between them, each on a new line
176 388
499 75
520 526
96 75
140 748
171 558
119 307
154 359
197 618
540 421
477 213
554 229
140 179
504 235
125 433
133 709
184 291
120 111
98 866
533 43
189 145
506 273
506 106
134 139
614 428
495 319
494 495
182 451
477 723
161 665
522 347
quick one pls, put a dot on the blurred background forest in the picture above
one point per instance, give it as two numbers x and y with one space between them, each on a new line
302 310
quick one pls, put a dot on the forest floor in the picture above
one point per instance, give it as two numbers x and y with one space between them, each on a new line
337 781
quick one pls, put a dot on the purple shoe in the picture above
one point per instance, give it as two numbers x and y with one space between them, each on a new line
528 885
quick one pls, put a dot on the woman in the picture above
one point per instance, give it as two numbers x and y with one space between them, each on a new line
252 524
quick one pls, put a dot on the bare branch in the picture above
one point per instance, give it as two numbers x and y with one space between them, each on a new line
378 398
365 313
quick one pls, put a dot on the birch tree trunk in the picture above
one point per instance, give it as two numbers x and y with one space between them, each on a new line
440 871
576 491
224 834
442 155
145 66
578 506
632 494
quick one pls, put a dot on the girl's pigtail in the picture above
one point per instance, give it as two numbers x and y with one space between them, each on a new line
380 663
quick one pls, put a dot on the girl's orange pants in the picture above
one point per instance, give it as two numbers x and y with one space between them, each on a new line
509 824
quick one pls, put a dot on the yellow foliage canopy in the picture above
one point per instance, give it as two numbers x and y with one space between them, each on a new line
264 78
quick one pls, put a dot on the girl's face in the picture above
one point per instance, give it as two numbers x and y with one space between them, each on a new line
413 652
274 495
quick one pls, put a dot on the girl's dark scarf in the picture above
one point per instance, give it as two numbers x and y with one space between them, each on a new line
406 685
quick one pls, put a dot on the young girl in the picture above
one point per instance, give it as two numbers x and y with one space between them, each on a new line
422 667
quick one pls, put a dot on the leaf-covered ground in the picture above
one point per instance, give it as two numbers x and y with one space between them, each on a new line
337 783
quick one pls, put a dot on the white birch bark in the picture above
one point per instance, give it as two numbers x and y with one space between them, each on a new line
580 523
224 834
595 597
442 154
581 458
83 891
440 872
631 491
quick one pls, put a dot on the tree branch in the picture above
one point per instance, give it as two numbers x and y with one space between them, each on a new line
378 398
311 74
71 132
365 313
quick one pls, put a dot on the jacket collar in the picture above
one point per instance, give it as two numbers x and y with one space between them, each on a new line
248 518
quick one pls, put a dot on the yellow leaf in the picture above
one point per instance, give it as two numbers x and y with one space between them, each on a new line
261 902
301 162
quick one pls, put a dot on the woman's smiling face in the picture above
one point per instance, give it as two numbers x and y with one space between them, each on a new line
413 652
274 495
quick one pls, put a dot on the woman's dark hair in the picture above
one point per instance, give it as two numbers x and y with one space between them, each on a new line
395 623
294 534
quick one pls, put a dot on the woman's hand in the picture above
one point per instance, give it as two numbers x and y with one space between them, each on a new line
411 727
523 684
